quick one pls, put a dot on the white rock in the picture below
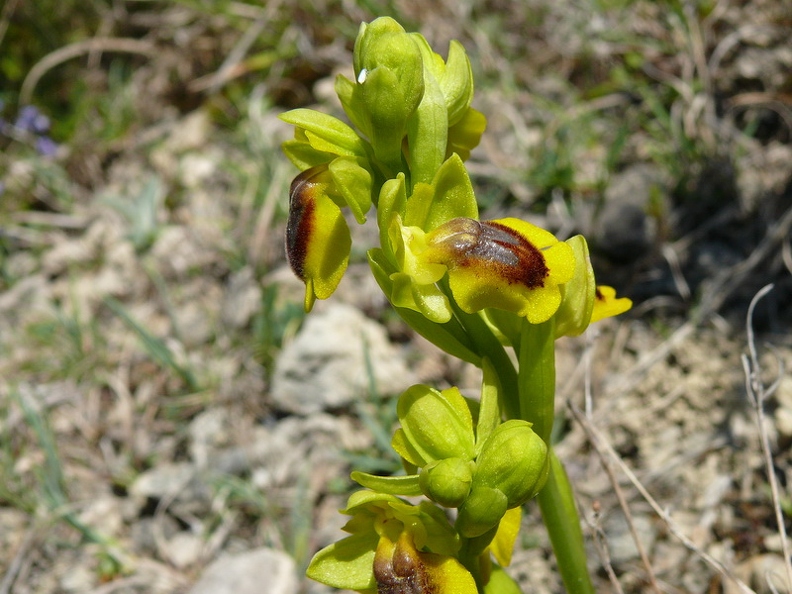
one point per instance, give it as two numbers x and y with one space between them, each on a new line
262 571
327 365
162 481
209 431
242 299
184 549
783 419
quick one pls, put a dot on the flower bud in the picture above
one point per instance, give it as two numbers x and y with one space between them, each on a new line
389 72
481 511
437 425
446 482
514 461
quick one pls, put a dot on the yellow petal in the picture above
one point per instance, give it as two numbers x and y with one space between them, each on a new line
503 543
607 305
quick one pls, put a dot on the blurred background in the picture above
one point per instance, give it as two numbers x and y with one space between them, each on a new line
171 421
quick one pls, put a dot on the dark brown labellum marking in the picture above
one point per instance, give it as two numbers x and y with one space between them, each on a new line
404 573
518 260
493 246
301 222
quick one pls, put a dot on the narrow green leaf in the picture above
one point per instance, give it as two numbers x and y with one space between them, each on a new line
326 133
404 486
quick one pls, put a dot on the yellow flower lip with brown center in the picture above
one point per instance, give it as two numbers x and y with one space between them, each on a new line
507 264
400 568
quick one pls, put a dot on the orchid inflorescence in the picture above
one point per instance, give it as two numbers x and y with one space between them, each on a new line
475 289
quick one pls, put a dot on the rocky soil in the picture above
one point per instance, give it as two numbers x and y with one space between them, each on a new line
169 421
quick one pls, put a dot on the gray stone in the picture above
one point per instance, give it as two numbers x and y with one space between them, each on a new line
261 571
624 231
161 481
299 445
328 363
209 431
621 544
242 299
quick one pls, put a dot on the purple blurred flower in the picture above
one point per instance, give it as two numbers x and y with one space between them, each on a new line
46 146
30 119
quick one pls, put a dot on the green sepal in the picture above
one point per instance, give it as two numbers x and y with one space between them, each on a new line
326 133
352 102
466 134
454 76
457 82
501 582
427 128
489 417
450 196
347 563
303 155
403 486
450 337
402 446
392 202
577 295
426 299
353 181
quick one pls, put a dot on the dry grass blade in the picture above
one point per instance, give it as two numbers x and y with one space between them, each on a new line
16 564
5 17
604 449
59 56
757 393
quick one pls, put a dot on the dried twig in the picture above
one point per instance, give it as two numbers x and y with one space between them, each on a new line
601 544
757 393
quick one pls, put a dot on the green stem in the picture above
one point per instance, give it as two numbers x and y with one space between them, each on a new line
560 516
488 345
537 376
537 405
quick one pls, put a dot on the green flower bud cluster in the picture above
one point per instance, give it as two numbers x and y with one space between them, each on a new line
461 456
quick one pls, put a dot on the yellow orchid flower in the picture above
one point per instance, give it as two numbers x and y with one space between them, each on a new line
506 264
